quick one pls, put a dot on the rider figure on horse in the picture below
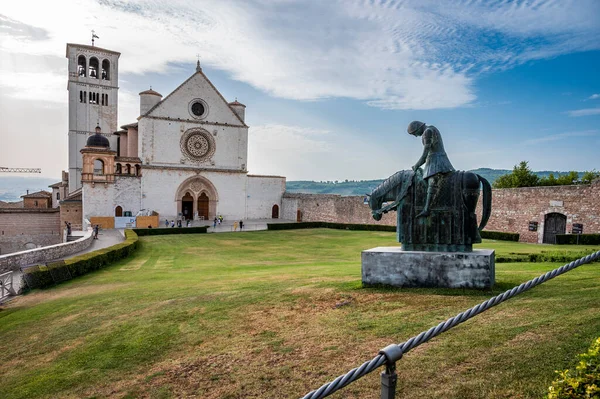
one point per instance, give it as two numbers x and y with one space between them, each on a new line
434 157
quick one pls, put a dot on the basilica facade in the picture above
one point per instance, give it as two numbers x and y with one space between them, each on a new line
184 158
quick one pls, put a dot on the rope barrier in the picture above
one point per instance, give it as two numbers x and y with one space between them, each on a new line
392 353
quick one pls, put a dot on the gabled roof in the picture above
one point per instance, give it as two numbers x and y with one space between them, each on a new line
134 124
38 194
11 205
74 196
183 84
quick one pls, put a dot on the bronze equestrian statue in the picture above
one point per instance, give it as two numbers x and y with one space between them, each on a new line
435 206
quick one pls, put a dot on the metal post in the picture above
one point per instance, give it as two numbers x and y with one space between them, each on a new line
388 382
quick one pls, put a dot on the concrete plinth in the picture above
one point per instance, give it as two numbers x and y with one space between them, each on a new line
391 266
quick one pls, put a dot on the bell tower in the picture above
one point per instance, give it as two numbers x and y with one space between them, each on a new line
93 101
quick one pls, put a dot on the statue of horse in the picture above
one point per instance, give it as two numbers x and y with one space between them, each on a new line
452 224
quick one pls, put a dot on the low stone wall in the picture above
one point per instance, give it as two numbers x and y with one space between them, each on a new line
12 262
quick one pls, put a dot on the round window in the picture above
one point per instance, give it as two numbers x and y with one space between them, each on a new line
197 145
198 108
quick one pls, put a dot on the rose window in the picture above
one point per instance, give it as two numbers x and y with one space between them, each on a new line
197 145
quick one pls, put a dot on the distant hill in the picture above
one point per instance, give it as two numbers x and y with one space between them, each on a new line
12 187
361 187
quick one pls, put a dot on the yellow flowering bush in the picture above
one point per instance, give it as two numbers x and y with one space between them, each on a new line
583 382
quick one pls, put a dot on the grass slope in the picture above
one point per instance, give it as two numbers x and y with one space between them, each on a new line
276 314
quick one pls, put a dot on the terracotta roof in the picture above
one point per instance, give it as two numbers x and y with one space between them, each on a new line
154 93
38 194
120 132
55 185
134 124
236 102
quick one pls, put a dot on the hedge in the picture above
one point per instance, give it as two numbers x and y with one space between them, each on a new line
581 239
499 235
171 230
329 225
583 381
42 276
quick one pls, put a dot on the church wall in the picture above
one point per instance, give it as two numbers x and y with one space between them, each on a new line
177 104
263 193
160 186
100 200
19 227
159 143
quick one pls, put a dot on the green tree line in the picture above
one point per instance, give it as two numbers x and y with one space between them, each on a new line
522 176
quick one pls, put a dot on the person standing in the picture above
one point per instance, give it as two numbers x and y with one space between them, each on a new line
96 229
215 223
166 222
241 225
235 224
434 158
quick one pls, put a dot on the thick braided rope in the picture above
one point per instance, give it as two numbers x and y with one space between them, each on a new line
379 360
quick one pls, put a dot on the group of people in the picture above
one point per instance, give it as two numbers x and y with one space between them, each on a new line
219 219
179 223
95 230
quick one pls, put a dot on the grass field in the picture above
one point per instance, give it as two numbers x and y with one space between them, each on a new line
277 314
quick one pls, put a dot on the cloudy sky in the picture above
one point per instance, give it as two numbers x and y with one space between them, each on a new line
330 85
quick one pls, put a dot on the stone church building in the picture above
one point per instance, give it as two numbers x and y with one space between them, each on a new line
185 157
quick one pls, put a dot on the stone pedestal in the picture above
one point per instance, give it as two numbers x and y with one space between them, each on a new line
391 266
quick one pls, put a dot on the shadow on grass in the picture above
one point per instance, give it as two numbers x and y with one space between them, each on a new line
498 288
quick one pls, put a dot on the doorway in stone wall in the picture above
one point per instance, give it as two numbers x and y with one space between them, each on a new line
187 206
275 212
203 206
554 223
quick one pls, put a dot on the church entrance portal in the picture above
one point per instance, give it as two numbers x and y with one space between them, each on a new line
203 207
554 223
187 206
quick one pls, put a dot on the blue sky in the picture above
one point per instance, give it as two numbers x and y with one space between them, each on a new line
330 86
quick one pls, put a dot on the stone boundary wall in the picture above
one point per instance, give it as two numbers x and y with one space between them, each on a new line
23 228
512 209
12 262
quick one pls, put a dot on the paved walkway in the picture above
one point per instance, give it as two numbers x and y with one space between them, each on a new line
106 238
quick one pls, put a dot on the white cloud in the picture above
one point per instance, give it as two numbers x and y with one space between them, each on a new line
392 54
594 97
584 112
561 136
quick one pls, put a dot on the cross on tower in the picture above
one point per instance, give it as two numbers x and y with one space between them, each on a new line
94 36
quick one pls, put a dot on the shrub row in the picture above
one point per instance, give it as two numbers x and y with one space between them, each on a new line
42 276
499 235
544 256
583 381
171 230
573 239
329 225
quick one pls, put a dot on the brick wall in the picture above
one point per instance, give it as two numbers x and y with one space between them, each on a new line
71 211
512 209
21 229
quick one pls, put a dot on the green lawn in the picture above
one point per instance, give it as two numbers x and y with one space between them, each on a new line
254 315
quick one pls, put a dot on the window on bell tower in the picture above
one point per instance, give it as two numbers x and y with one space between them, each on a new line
81 67
105 70
94 67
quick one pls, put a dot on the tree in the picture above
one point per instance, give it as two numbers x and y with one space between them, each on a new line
521 176
590 176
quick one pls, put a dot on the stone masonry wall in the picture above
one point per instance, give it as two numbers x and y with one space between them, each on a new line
512 209
39 255
24 228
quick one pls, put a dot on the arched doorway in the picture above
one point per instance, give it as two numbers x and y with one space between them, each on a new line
187 206
275 212
118 211
203 207
299 216
554 223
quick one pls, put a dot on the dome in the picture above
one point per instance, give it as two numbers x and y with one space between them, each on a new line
97 140
152 92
